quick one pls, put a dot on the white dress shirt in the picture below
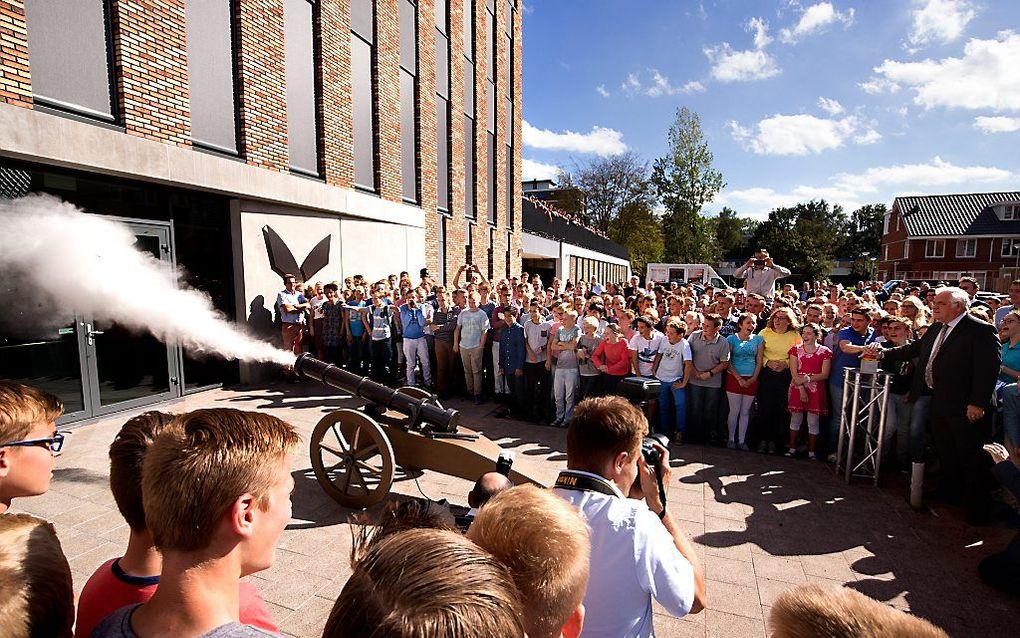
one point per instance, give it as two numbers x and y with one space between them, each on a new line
633 558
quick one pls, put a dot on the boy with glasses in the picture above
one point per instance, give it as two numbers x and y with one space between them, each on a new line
29 441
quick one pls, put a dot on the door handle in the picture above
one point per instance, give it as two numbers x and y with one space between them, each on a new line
90 334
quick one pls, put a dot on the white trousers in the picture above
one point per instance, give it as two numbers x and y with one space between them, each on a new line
420 348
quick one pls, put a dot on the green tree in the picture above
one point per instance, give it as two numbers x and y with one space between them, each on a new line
804 238
685 181
638 229
731 233
609 184
864 232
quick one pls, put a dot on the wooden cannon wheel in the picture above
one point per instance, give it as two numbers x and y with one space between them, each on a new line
352 458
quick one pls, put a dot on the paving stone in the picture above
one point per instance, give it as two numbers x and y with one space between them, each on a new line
788 570
723 625
730 570
733 599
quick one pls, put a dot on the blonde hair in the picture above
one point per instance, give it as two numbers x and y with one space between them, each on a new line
36 595
922 318
794 324
201 463
22 406
807 611
590 322
545 544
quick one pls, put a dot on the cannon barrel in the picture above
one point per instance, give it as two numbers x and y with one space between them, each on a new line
440 419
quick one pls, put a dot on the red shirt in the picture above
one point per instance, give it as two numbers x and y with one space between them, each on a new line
109 589
615 356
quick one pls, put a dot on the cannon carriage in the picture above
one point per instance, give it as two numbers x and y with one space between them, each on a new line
355 453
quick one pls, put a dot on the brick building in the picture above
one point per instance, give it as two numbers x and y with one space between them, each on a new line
383 133
945 237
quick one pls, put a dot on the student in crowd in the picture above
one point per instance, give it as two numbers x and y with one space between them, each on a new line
501 385
810 364
469 342
746 359
536 377
511 358
377 323
291 304
587 344
358 354
316 302
516 526
644 346
674 368
332 325
711 354
612 359
427 582
850 345
899 413
565 375
1002 569
779 335
29 441
444 324
413 323
133 577
36 596
216 488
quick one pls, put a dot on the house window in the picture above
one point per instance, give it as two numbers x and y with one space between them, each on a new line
1011 212
885 225
966 247
362 95
299 65
211 74
935 248
408 93
1011 248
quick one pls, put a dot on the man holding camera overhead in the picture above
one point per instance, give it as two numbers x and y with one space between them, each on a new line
760 274
637 549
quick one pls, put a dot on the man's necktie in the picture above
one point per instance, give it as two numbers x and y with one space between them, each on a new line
934 353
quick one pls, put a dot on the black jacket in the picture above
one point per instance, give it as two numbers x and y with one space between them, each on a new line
965 369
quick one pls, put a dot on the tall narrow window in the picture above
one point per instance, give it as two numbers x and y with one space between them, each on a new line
490 99
362 55
299 60
442 249
408 93
469 110
508 113
442 106
69 41
210 40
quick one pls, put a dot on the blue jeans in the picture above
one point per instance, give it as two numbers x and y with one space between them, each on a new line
675 420
906 421
705 410
1010 399
564 389
836 395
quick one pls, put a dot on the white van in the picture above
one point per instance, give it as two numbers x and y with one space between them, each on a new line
685 273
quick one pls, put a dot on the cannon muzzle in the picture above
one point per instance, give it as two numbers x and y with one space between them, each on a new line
420 411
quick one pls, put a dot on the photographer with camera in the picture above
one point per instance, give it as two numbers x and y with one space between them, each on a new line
617 479
760 274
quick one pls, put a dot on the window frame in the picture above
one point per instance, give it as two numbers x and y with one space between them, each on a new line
931 244
1013 243
963 244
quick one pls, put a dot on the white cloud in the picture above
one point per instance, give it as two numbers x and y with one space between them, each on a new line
655 84
871 136
832 107
939 21
986 77
816 19
601 89
600 141
997 124
878 184
740 66
878 85
794 134
760 28
530 169
935 174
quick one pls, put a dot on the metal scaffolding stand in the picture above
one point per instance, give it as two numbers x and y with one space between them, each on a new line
859 451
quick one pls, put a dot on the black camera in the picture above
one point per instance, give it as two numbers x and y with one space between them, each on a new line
653 458
505 462
759 262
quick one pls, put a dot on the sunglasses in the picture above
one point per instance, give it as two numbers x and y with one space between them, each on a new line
54 443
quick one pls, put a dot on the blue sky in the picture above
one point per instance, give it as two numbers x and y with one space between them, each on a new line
856 102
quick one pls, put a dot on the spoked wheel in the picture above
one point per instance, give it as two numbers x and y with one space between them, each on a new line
352 458
413 392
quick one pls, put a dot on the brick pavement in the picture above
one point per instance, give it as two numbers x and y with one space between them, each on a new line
761 523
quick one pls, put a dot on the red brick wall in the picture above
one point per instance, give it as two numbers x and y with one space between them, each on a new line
333 72
426 119
456 234
387 78
15 79
262 89
151 69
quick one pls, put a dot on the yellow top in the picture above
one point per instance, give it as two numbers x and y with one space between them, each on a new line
777 345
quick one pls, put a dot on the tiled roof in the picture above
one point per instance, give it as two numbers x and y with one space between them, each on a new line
952 215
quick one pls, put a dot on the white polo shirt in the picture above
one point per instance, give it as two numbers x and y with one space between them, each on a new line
633 558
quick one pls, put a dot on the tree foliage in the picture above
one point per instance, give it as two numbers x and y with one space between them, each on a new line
609 184
732 233
685 181
637 227
804 238
863 235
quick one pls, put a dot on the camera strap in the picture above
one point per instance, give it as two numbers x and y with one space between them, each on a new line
583 483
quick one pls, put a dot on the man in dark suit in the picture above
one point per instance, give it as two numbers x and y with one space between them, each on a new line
959 362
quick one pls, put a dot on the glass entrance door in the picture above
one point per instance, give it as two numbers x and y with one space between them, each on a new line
124 368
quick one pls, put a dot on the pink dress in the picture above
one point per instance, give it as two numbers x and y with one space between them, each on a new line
809 363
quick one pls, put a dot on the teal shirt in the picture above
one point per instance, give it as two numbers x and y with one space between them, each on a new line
1010 359
744 354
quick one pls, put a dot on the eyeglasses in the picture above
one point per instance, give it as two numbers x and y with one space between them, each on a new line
54 443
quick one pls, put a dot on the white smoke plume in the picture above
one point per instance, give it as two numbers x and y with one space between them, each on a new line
55 260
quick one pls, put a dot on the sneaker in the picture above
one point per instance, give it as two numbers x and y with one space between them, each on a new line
763 447
556 423
732 445
678 439
772 448
811 456
789 454
831 458
744 447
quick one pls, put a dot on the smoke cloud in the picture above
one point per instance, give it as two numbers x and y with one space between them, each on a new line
55 260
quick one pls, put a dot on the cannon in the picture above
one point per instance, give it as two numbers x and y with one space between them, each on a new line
355 452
